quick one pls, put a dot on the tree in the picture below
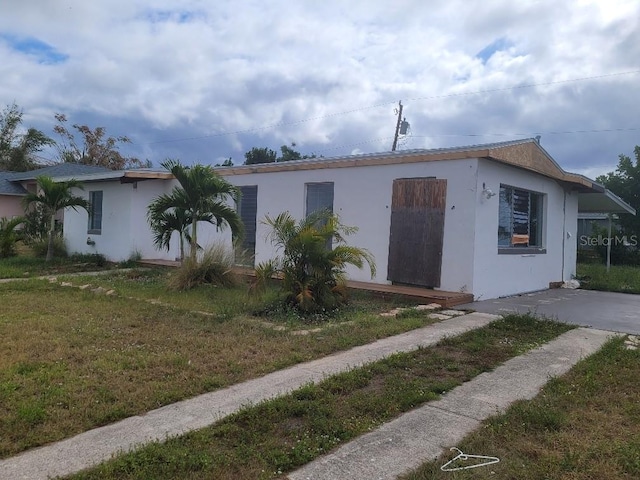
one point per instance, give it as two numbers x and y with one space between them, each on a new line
313 275
227 163
266 155
202 196
18 150
260 155
625 182
53 197
9 236
165 223
95 148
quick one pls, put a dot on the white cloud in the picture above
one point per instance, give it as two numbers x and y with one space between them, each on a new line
167 70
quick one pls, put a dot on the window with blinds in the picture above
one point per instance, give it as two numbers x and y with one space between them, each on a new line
520 218
95 212
319 197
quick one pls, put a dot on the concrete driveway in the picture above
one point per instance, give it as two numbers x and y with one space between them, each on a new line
617 312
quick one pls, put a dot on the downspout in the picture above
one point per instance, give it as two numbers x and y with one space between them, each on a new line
609 245
564 230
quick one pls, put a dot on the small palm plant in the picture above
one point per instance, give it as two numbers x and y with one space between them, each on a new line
202 196
165 223
8 235
54 196
312 273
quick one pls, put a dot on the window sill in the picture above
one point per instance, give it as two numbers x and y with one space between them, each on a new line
521 251
94 232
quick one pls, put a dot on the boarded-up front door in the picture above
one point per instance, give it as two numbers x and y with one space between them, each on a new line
417 231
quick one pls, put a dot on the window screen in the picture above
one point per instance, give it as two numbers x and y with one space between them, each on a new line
319 197
95 212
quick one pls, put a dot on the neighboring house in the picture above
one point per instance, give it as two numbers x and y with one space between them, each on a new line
10 196
491 220
15 185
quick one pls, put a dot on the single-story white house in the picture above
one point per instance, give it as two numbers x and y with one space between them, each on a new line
491 220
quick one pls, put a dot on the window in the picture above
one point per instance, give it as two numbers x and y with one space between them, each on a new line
247 209
319 197
95 212
520 220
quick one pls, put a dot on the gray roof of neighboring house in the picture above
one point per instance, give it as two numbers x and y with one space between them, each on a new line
7 187
10 181
59 170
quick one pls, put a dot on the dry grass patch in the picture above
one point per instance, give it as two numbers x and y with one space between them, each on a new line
279 435
71 360
582 426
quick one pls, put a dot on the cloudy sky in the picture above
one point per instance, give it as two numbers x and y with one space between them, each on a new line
207 80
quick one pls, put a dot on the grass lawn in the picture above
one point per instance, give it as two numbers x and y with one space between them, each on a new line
619 278
27 266
71 359
582 426
279 435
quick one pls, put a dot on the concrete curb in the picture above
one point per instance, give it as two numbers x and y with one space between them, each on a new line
423 434
92 447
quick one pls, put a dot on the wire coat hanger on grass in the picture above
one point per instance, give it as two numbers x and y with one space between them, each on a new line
464 457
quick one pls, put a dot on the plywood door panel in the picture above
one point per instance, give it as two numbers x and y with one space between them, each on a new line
417 231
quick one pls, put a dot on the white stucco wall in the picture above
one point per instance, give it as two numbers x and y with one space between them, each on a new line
497 275
124 226
125 230
362 198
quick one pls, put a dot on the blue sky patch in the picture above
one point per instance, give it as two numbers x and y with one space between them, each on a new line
177 16
43 52
498 45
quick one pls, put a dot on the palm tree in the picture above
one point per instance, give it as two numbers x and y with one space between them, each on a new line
8 236
164 223
312 271
54 196
201 197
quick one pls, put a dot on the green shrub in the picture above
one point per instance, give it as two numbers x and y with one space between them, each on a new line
313 262
132 261
215 267
97 259
9 236
39 247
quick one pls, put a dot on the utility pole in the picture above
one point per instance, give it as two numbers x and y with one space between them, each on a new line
395 137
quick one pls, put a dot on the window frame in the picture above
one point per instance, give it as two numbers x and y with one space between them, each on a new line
94 223
536 201
307 185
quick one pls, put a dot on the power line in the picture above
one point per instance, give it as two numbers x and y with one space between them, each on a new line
530 85
530 134
378 105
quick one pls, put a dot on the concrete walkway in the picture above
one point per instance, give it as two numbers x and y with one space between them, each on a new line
90 448
425 433
618 312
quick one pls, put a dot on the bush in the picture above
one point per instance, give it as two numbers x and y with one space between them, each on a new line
9 236
215 267
132 261
313 262
36 227
96 259
39 247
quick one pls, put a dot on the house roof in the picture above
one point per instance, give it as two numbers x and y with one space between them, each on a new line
605 201
7 187
66 169
125 176
526 154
